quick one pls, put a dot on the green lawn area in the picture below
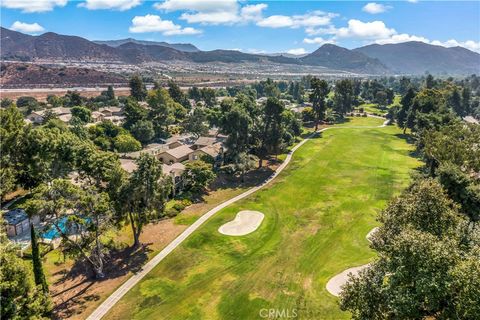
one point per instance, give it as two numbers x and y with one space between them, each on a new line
317 214
376 109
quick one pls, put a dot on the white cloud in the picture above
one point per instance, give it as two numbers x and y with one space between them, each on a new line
469 44
214 12
399 38
29 6
365 30
412 1
198 5
120 5
308 20
153 23
253 12
374 8
298 51
318 40
213 18
27 27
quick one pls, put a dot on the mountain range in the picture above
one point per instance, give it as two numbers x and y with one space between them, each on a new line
185 47
402 58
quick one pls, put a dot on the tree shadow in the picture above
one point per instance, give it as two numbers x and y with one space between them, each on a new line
80 279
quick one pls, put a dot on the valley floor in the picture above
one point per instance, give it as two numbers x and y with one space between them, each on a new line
317 214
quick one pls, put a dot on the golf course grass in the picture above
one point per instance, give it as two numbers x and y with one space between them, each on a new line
317 214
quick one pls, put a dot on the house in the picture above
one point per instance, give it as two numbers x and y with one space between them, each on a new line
214 151
175 171
65 117
17 222
128 165
152 149
97 116
118 120
175 155
111 111
203 142
64 114
35 117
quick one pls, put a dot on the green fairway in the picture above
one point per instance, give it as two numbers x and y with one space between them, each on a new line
317 214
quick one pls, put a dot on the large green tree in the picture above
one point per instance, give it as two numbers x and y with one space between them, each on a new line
318 96
424 248
137 88
142 196
20 298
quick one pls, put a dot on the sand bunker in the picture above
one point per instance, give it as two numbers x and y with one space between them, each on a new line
371 233
244 223
334 285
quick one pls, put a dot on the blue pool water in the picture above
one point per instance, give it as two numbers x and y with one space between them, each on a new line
52 232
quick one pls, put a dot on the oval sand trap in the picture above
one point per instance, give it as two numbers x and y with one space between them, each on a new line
244 223
334 285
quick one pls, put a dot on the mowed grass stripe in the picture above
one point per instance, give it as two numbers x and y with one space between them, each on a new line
317 214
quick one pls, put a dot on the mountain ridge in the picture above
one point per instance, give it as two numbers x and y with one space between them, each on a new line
375 59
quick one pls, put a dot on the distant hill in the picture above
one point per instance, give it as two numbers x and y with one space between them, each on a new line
335 57
407 58
185 47
52 46
19 75
418 57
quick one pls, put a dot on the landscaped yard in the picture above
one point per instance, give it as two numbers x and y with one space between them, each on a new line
76 295
317 214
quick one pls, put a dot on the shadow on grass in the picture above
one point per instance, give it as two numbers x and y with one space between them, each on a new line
79 279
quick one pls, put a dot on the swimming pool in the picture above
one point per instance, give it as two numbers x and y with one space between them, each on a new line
52 232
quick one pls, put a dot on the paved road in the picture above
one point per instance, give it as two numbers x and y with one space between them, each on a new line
132 281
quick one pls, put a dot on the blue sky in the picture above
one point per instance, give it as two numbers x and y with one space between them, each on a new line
253 26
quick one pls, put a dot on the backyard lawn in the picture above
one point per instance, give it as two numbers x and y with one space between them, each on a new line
317 214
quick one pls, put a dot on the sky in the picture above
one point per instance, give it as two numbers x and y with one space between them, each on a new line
296 27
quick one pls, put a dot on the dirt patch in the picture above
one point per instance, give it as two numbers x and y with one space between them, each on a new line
76 294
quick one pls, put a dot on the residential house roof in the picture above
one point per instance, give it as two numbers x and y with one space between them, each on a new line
179 152
15 216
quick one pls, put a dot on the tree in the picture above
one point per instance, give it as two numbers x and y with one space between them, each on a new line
133 113
198 175
20 298
454 101
406 105
273 126
142 195
82 113
243 162
196 123
429 82
137 88
162 111
110 94
343 98
236 124
40 279
11 132
177 94
421 270
72 98
27 102
143 131
320 90
126 143
72 210
208 96
195 94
